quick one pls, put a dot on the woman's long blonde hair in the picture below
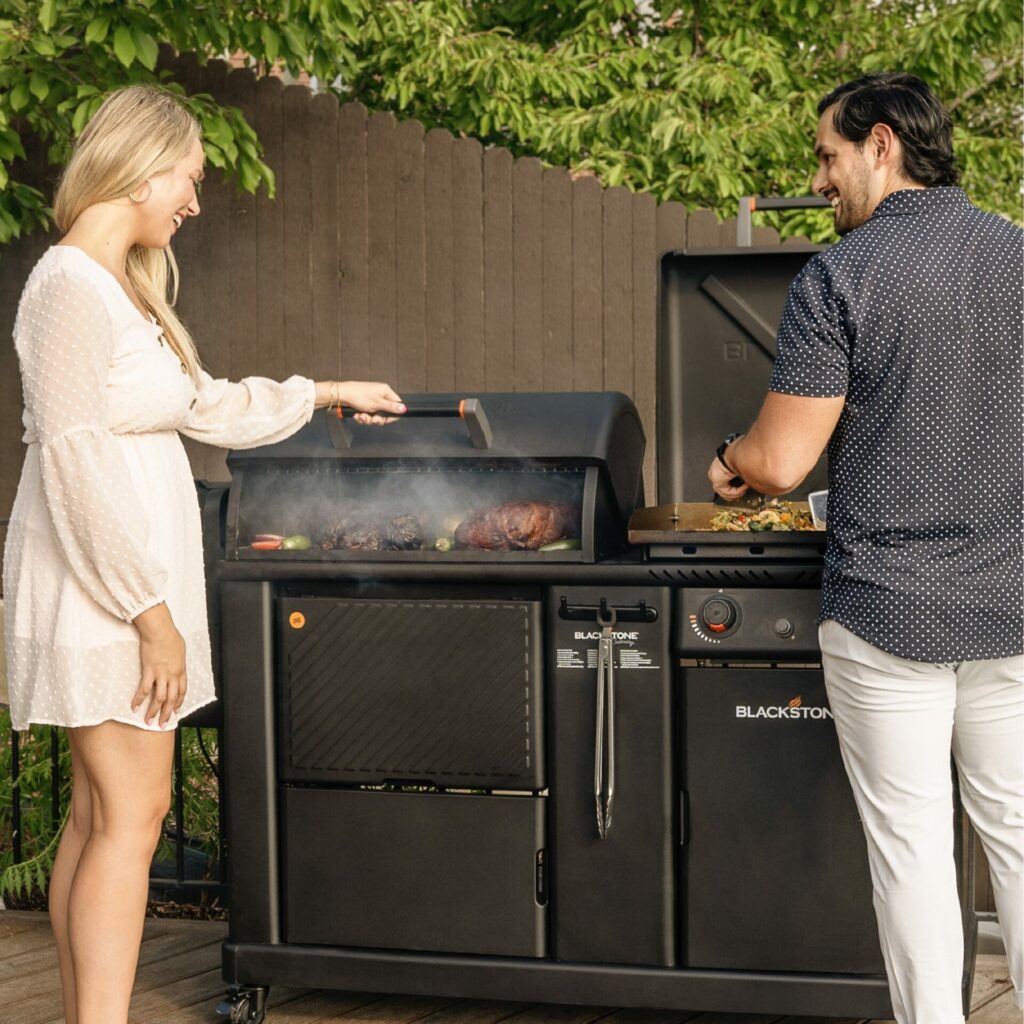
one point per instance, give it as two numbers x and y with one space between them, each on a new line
138 132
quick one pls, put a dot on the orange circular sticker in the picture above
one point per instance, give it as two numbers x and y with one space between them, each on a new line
296 620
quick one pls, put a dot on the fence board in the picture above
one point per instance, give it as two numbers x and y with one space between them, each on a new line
468 264
557 279
325 296
704 232
528 274
440 282
499 352
240 233
380 165
617 289
588 337
353 243
188 247
645 357
269 347
217 250
296 197
670 226
410 258
217 245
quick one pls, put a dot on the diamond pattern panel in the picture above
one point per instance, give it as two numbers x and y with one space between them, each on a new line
443 692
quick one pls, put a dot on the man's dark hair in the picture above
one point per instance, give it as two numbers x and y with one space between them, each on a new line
911 110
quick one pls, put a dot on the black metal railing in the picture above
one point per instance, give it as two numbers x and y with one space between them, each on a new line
178 886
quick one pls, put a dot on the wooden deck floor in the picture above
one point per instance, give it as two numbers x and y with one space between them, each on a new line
179 983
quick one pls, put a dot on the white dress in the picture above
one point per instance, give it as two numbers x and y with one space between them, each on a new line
106 521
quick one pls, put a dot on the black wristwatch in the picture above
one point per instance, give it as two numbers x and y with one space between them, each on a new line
720 455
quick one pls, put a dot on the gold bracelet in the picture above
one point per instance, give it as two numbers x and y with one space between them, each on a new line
336 398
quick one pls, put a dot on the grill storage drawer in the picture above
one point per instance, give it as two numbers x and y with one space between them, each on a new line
421 871
439 692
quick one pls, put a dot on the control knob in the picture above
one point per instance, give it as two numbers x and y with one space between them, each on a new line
783 629
718 614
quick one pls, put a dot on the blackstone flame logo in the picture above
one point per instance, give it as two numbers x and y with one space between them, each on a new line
793 710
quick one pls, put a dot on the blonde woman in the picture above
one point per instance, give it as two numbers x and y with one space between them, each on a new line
103 576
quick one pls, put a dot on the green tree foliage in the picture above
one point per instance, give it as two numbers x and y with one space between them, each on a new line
701 101
697 101
59 57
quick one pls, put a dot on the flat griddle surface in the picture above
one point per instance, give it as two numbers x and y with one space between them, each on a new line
690 522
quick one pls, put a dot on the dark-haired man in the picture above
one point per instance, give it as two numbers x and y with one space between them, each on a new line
901 349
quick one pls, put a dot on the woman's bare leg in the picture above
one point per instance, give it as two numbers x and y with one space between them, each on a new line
129 772
72 841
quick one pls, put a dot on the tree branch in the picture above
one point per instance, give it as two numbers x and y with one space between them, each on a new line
995 73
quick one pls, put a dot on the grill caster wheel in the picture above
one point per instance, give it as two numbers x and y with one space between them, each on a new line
244 1004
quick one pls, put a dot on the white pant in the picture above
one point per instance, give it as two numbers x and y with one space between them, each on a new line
897 721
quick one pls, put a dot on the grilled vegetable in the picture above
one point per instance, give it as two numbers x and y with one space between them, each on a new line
296 542
444 544
565 544
267 545
268 536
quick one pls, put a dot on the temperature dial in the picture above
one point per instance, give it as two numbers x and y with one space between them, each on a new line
718 615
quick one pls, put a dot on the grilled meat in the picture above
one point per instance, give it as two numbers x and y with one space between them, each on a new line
363 537
518 526
405 533
362 533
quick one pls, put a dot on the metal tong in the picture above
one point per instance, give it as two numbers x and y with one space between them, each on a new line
604 740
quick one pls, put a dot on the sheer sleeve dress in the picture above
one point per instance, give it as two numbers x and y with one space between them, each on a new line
106 522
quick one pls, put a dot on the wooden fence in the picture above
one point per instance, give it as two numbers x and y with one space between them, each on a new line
398 254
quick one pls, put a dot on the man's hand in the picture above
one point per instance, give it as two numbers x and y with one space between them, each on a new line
782 446
720 478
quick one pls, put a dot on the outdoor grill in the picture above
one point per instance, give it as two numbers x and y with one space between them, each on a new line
458 761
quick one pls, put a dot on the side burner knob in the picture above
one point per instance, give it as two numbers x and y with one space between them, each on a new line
718 614
783 629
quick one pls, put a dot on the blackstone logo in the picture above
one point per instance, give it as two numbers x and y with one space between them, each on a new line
793 710
596 635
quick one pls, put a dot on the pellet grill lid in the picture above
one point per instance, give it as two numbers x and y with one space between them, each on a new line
718 315
579 450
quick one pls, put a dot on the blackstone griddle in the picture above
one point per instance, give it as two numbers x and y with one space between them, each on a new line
681 530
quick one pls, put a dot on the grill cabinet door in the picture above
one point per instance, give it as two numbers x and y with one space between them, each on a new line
443 872
427 691
775 872
613 899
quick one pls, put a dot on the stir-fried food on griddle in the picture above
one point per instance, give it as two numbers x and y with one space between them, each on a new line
776 515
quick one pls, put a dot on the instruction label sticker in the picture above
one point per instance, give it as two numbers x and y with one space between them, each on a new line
582 654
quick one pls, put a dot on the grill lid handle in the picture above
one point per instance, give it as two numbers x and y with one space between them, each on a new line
468 409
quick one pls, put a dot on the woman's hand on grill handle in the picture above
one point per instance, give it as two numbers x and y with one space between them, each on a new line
162 664
368 398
